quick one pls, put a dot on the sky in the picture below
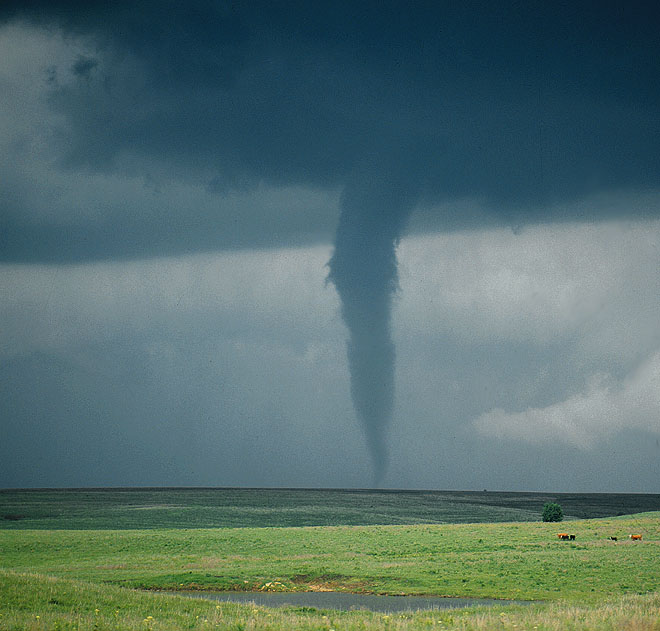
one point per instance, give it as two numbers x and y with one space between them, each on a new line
404 245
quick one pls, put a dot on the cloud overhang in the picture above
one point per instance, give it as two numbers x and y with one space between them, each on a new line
159 127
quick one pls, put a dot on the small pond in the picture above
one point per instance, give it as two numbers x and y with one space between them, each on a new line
346 601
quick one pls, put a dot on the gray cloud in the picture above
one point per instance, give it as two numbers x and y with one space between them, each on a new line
192 370
163 131
587 418
230 368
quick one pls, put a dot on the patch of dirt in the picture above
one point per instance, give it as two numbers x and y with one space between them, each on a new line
330 583
317 587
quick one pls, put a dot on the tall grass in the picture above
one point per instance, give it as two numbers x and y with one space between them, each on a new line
35 602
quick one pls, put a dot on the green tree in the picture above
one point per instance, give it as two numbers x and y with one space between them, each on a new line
552 512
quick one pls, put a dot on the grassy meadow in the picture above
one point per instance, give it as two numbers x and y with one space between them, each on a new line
511 560
78 579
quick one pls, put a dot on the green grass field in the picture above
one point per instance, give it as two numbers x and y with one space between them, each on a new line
78 579
512 560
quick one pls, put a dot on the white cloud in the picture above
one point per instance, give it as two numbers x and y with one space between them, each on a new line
585 419
597 283
593 287
279 294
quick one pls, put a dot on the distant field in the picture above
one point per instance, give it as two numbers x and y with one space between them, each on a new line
143 508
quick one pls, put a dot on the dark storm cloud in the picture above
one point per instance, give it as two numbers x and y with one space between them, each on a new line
521 106
164 114
84 66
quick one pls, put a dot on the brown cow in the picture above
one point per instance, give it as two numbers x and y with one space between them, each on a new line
563 536
636 537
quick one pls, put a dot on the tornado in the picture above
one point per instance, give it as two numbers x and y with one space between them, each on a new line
363 268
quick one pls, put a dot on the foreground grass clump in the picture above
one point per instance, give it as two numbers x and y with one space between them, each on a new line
36 603
514 560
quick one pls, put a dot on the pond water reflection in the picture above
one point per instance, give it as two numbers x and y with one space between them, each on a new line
346 601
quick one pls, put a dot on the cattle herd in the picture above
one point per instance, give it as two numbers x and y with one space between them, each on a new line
566 537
